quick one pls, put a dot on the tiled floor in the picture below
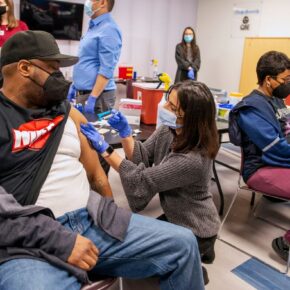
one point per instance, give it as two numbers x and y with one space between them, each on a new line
248 235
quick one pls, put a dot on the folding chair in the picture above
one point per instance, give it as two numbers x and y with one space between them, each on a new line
242 186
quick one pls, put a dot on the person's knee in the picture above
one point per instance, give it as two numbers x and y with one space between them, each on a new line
185 242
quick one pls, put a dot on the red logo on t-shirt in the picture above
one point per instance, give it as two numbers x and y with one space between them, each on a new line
34 134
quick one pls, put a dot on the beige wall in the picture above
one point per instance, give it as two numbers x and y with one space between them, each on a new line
221 54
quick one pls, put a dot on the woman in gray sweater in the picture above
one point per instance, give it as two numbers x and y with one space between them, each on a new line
175 162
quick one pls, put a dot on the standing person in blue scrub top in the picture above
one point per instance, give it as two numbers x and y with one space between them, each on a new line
187 56
99 53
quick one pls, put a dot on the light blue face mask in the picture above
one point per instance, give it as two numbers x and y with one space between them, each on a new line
167 118
188 38
89 8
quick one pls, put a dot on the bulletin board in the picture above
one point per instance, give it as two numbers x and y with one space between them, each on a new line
254 48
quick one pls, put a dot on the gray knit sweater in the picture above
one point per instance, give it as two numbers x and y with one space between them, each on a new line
180 179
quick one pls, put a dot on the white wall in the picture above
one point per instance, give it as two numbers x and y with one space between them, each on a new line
221 55
150 28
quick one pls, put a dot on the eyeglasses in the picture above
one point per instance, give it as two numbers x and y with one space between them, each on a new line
285 80
172 107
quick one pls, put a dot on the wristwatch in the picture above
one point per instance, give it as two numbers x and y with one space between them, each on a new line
108 152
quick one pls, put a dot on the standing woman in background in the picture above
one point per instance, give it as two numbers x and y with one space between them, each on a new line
187 56
9 25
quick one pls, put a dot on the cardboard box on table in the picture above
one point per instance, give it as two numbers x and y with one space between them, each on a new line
150 97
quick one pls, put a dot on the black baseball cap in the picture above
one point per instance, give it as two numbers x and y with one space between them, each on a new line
33 45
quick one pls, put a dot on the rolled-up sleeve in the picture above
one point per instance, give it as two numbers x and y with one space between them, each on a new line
109 52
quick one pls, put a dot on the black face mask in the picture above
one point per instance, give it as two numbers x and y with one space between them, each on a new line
3 9
55 88
282 91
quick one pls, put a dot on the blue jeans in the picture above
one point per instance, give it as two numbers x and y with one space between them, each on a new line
151 248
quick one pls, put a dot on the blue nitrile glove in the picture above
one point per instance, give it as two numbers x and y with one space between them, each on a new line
190 74
119 122
79 107
90 104
72 92
94 137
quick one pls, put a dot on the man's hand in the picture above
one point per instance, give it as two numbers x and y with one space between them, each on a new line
72 93
84 254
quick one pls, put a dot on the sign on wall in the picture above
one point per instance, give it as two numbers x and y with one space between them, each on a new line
246 19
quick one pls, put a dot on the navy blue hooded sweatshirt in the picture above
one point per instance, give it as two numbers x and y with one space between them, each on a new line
261 126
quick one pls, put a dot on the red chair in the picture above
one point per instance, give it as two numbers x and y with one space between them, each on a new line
243 186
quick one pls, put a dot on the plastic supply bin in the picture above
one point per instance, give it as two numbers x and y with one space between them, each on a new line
220 96
234 98
150 97
224 110
125 72
131 109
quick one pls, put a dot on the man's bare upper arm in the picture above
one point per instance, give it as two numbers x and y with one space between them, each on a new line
90 160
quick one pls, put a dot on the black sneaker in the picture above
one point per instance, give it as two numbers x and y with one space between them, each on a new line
208 257
206 249
281 248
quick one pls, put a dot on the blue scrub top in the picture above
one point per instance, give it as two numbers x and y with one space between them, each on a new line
99 52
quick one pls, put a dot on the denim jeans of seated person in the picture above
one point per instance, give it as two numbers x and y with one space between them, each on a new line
151 248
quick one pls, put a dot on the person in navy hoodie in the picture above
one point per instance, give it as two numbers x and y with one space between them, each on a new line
260 124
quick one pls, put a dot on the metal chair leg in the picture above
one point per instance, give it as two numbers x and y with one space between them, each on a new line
265 219
228 211
120 283
220 191
288 263
253 198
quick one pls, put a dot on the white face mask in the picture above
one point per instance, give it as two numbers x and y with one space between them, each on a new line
167 118
89 8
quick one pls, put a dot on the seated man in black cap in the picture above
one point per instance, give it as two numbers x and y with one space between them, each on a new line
50 170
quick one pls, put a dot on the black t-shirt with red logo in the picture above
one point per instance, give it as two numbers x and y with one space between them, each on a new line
28 140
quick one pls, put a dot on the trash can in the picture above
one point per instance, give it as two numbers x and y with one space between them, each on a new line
150 97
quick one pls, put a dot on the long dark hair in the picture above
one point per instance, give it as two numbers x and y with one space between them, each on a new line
193 44
199 131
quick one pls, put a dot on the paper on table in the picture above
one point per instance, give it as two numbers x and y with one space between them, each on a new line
103 131
99 123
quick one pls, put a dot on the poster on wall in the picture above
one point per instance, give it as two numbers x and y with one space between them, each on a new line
246 19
